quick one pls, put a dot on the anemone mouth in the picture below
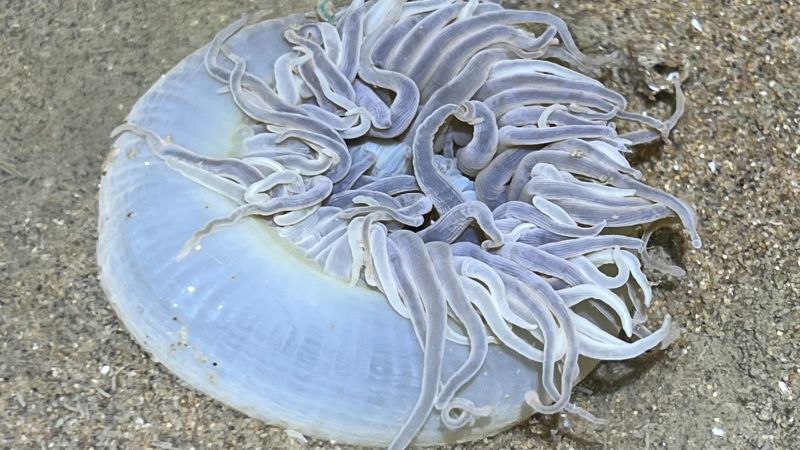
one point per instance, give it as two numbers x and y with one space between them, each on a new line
466 167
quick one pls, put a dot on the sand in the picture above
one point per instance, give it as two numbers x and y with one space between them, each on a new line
72 377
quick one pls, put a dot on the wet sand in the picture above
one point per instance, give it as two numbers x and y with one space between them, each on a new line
72 377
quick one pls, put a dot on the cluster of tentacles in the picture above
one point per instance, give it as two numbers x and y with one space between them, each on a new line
442 152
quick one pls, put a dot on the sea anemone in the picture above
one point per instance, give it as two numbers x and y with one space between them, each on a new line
403 222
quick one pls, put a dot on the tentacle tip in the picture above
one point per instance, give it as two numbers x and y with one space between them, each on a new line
586 415
665 135
627 328
602 60
673 334
466 413
184 252
492 244
677 272
355 111
599 422
483 411
355 278
116 132
533 400
599 226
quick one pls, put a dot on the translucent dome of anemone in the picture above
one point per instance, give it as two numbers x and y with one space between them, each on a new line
403 223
